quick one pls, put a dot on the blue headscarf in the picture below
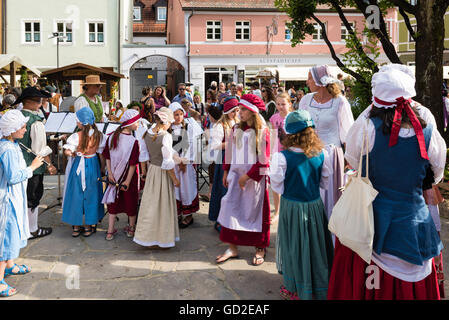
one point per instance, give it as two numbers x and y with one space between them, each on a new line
85 116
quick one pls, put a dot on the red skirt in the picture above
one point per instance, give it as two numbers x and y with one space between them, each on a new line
349 276
128 201
247 238
187 210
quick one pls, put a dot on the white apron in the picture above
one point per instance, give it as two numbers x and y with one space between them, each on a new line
243 209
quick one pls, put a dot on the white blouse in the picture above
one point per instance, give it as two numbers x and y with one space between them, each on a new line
168 153
437 146
73 142
278 167
345 117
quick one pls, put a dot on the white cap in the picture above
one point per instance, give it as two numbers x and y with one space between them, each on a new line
12 121
391 82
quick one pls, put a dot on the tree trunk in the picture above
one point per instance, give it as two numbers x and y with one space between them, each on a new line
429 58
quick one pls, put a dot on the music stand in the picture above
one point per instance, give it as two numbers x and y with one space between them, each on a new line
200 171
58 124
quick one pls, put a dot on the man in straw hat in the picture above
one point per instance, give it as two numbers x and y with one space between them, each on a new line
35 139
91 97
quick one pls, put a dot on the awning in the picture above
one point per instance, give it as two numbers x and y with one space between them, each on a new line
293 74
79 71
302 73
5 63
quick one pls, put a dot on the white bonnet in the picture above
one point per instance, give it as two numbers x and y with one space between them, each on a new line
11 121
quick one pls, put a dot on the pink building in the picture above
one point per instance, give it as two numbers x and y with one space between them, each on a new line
228 40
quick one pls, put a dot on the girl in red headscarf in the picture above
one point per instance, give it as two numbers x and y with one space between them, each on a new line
245 209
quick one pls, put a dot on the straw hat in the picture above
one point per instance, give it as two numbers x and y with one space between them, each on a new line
93 79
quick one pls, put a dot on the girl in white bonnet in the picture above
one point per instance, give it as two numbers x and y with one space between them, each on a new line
14 174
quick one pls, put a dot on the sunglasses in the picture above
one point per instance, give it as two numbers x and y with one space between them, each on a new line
182 89
264 90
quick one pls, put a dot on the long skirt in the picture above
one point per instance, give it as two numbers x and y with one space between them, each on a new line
247 238
158 222
11 241
87 204
351 280
218 192
187 200
304 249
331 194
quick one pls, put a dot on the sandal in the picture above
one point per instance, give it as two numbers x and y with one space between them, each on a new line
229 255
23 269
204 197
184 225
217 227
40 232
76 232
88 231
130 231
110 235
287 295
6 293
256 259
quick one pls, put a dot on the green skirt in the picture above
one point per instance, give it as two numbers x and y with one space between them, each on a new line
304 249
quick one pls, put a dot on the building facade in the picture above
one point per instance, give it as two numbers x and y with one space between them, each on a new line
93 32
233 41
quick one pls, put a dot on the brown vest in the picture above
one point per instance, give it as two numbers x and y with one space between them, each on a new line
91 147
155 148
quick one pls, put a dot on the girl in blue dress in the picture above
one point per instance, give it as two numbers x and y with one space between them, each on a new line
84 191
304 250
14 174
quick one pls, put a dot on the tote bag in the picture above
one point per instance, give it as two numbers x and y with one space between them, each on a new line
352 219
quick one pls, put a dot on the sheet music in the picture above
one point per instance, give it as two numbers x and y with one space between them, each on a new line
112 126
69 123
54 121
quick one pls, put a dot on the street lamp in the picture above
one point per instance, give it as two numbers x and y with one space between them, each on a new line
58 39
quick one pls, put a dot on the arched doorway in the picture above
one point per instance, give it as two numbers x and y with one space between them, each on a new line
156 70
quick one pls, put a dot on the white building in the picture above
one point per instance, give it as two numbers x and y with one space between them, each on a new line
94 32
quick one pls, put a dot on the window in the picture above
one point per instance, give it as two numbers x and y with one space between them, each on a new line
288 33
96 32
345 32
32 32
162 13
318 34
242 30
213 30
137 14
65 29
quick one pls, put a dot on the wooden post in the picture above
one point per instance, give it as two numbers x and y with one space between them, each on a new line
12 74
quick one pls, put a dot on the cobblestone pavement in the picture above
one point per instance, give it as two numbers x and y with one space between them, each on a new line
93 268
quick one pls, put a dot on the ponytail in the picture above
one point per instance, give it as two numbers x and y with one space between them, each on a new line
115 137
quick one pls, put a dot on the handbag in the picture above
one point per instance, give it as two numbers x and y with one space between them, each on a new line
352 219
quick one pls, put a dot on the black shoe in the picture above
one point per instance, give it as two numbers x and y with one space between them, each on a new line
183 225
40 232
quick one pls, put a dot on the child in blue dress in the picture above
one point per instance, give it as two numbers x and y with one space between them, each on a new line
304 250
84 191
14 174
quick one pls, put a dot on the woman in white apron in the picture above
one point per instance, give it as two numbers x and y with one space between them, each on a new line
333 118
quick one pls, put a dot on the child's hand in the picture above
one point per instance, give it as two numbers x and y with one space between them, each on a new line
124 186
225 179
111 178
242 181
182 167
176 183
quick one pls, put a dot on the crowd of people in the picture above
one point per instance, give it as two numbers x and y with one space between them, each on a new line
300 147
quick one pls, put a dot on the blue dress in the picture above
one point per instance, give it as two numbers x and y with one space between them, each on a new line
79 204
14 174
218 191
304 250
